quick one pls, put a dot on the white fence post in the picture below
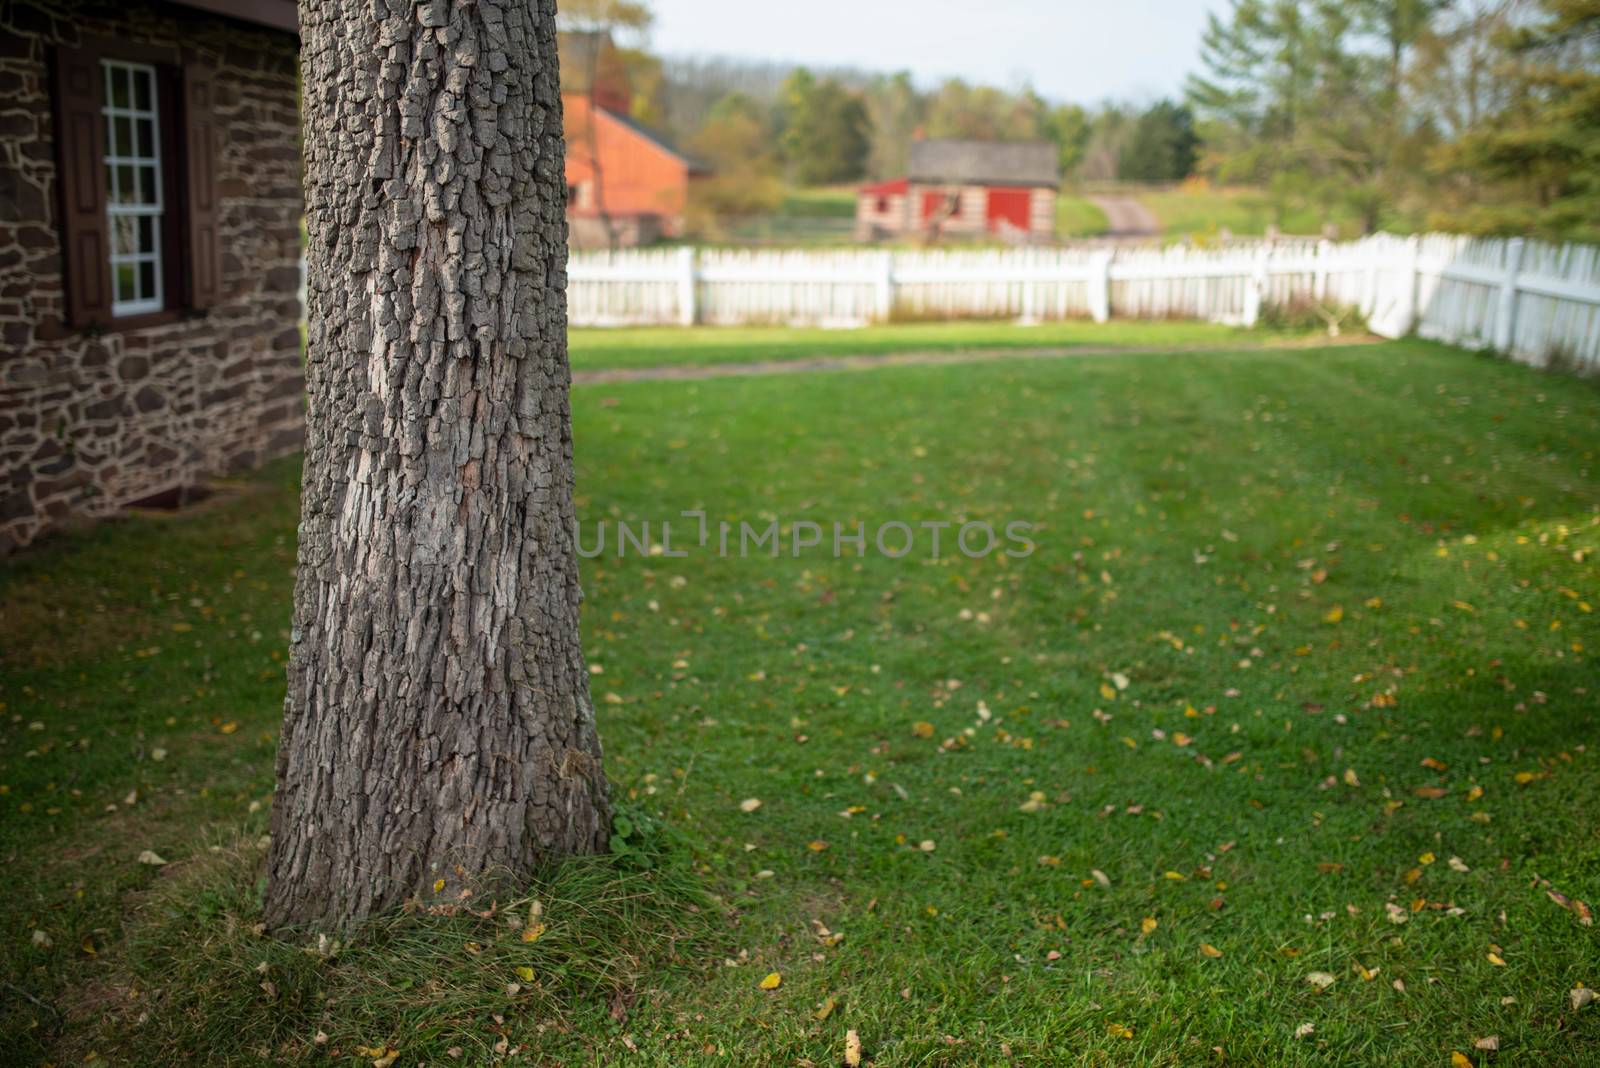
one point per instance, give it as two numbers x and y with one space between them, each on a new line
884 292
1030 300
1369 281
1406 312
1320 280
1505 319
688 283
1100 286
1256 287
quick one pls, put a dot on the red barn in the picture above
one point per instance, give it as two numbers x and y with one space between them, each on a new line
1002 188
626 184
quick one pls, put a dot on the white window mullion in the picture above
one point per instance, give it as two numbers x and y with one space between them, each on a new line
136 264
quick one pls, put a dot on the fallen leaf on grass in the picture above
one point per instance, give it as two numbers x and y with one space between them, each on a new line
1459 1060
922 729
772 981
852 1050
1580 996
1495 959
1148 924
1305 1029
1210 950
152 858
1116 1030
1574 906
750 804
382 1056
825 1010
1321 980
1100 877
1491 1044
535 926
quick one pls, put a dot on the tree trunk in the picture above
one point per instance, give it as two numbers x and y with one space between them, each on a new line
438 725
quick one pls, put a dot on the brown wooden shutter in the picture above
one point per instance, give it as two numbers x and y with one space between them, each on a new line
203 273
79 84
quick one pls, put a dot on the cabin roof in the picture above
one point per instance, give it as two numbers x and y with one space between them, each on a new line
1026 163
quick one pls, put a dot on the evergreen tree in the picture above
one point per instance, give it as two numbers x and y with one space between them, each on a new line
1163 145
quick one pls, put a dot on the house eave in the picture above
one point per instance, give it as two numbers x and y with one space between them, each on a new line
274 14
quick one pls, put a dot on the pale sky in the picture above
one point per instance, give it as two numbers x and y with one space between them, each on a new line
1077 50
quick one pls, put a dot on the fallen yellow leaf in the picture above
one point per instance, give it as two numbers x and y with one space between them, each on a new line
1210 950
535 925
772 981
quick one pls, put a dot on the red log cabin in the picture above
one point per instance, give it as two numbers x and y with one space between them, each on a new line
626 183
1005 189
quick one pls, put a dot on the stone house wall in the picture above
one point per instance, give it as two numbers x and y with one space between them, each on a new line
90 422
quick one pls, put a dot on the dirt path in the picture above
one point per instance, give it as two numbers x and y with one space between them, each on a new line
925 359
1127 218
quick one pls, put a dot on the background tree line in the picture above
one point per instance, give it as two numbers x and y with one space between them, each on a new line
1481 115
1477 115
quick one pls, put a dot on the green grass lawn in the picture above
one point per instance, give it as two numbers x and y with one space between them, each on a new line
820 202
1079 217
1286 728
616 348
1204 212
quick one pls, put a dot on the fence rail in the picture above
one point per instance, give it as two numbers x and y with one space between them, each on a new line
1529 299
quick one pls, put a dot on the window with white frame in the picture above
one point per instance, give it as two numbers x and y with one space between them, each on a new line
134 184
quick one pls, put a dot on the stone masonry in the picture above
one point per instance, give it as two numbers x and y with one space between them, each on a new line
92 422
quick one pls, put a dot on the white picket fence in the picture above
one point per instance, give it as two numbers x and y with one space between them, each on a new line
1529 299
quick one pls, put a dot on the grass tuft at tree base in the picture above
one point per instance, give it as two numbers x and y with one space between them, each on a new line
473 980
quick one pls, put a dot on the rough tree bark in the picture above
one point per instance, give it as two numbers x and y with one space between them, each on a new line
438 723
